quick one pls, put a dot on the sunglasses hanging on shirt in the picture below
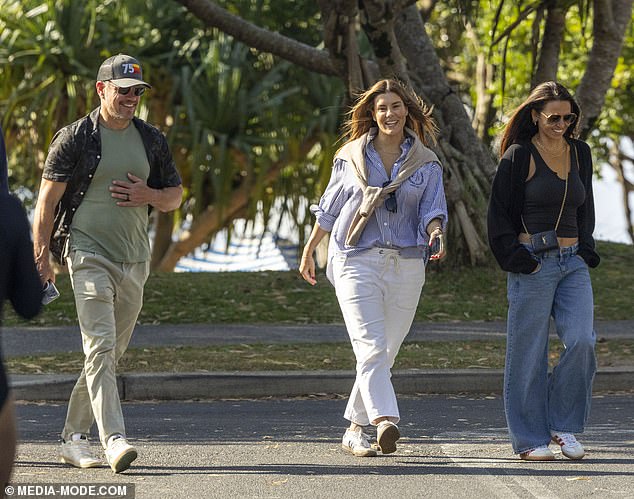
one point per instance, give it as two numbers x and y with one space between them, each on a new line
390 201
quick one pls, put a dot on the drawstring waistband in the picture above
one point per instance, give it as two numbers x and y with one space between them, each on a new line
390 256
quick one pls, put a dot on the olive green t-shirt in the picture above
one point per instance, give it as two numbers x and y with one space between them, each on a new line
117 232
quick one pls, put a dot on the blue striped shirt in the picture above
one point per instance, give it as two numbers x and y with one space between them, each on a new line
419 199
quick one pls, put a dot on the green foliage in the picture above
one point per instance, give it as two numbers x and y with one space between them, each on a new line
230 113
449 294
50 53
236 117
511 40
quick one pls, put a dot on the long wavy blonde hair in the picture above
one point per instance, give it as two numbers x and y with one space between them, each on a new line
419 116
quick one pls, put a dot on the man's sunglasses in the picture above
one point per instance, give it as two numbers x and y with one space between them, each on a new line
390 201
138 91
551 119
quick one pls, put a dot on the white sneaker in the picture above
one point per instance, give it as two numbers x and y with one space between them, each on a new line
356 442
386 435
120 454
77 453
541 453
570 447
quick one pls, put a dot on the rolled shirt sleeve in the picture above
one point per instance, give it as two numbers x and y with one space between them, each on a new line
433 203
333 199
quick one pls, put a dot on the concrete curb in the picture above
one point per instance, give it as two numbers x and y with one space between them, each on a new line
184 386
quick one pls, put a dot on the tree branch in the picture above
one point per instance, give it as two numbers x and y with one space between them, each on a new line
261 39
378 24
520 17
340 38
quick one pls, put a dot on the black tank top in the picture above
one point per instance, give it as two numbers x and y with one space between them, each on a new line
544 193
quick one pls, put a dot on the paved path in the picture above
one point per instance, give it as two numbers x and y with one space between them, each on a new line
33 340
452 447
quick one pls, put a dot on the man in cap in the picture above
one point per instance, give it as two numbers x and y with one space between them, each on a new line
101 174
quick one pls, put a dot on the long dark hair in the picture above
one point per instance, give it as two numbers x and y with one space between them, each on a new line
520 126
419 116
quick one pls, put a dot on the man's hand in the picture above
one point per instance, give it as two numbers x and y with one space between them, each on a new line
133 193
138 193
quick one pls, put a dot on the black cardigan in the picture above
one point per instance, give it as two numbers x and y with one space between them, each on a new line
507 202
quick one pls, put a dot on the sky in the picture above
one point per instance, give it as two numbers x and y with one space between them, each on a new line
608 206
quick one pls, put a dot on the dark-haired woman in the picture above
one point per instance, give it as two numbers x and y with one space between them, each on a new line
384 207
544 184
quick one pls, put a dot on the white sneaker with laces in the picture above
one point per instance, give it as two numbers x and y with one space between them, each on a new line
76 452
386 435
541 453
120 454
356 443
570 447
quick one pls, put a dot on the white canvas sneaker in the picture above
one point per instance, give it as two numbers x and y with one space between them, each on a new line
356 443
541 453
386 435
570 447
76 452
120 454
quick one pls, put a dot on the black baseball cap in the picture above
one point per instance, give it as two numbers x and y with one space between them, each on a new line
122 70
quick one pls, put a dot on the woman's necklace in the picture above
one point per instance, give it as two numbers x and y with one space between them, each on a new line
388 158
555 154
380 150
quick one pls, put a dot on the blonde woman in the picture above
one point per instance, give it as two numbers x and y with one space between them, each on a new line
384 208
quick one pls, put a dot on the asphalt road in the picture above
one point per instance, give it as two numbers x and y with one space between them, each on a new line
452 447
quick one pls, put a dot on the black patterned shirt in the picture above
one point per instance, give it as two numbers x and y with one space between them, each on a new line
73 157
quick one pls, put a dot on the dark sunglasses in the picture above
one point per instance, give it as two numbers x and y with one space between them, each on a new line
138 91
551 119
390 202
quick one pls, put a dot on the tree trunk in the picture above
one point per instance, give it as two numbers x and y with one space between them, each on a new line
378 17
164 225
484 112
469 165
340 38
617 158
548 60
207 223
611 18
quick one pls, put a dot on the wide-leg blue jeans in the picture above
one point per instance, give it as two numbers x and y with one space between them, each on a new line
535 401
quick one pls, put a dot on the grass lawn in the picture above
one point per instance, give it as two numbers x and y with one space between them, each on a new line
278 357
284 298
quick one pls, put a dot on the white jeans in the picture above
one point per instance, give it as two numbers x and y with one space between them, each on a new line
378 292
